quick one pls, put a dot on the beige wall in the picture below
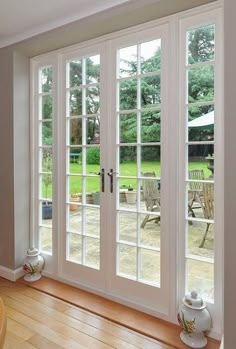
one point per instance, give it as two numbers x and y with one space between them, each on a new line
230 182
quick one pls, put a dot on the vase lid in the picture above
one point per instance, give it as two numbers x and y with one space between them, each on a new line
32 252
192 301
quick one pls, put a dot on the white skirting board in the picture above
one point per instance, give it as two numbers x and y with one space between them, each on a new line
10 274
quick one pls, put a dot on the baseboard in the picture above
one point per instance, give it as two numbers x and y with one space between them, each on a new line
10 274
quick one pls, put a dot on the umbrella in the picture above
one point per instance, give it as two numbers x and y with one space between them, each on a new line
204 120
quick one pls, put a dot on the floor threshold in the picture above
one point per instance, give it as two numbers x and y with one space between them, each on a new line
138 321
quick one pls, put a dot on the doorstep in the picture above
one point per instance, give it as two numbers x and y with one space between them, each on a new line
145 324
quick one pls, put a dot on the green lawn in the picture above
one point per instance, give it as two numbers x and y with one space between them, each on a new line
128 168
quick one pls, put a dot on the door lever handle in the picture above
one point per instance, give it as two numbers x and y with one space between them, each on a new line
111 174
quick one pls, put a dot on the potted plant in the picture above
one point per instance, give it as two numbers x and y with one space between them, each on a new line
74 198
130 195
47 181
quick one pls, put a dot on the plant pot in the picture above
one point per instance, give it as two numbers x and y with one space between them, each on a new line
130 197
47 210
75 198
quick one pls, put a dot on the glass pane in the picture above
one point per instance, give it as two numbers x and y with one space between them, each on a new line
93 190
128 128
92 252
127 260
128 94
93 69
150 126
151 159
93 130
128 195
92 221
150 56
199 159
150 230
201 84
201 123
127 227
75 68
201 44
45 107
46 188
93 160
45 238
75 217
75 102
46 133
150 91
128 61
93 100
75 189
200 278
75 248
45 215
75 164
75 131
45 84
46 158
150 266
151 196
128 161
197 246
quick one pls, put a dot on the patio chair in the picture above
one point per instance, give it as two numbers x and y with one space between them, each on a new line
195 190
151 195
207 201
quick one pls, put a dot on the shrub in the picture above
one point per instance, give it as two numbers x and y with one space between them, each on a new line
93 156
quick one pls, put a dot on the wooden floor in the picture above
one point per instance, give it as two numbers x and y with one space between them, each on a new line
38 320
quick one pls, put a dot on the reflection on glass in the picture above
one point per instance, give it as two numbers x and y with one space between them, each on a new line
93 69
150 233
150 56
150 266
150 126
93 130
201 84
128 128
93 100
201 123
127 226
75 102
75 248
195 236
200 277
201 44
128 161
92 221
127 260
150 91
45 79
45 239
128 61
92 252
199 158
46 107
151 159
128 94
75 131
46 132
75 68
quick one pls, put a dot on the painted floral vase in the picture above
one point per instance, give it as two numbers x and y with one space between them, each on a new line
32 265
195 321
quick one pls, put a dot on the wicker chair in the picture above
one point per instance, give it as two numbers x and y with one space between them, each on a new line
207 202
151 195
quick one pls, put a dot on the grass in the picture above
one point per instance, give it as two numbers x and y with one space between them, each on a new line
127 169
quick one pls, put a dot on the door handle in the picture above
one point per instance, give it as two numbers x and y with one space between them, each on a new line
111 174
101 174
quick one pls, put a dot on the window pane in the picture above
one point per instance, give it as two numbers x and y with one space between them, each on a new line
201 123
46 107
75 68
46 133
150 56
151 159
127 260
201 44
150 270
93 69
150 91
128 128
75 248
198 159
45 238
196 246
75 131
128 61
75 189
75 217
75 161
127 226
93 100
128 94
201 84
150 126
92 160
92 221
93 190
128 161
92 252
45 84
93 130
75 102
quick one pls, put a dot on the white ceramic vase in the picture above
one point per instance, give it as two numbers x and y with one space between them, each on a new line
32 265
195 321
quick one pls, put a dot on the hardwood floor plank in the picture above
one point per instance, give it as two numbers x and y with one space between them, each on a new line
42 343
14 342
19 330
